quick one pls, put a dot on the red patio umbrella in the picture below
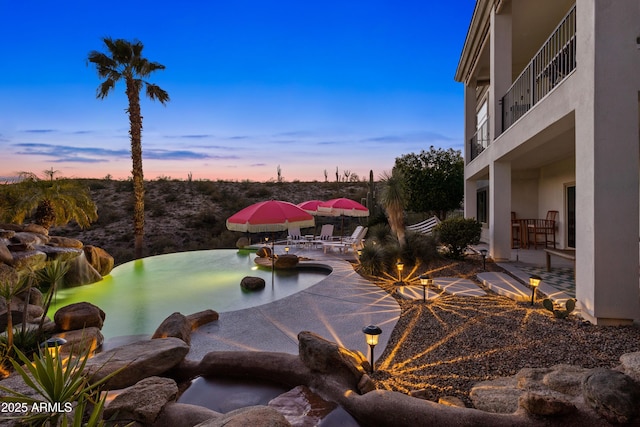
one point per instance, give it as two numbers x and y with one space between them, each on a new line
272 215
311 206
343 207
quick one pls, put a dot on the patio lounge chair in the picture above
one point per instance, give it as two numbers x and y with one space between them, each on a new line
354 241
424 227
326 233
294 237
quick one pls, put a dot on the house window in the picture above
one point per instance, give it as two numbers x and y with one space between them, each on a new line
482 201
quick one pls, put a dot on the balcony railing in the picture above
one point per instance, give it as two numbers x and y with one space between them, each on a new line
479 141
550 66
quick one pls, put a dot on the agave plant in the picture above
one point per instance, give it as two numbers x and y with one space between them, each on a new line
61 387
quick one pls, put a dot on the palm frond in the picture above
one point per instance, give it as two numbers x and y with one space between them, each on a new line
154 92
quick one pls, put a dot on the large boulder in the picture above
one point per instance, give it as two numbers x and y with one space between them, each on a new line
33 315
5 254
185 415
142 359
78 316
34 296
612 394
29 238
631 365
202 318
143 401
99 259
286 261
328 358
35 228
29 260
498 396
264 252
81 341
242 242
251 283
545 405
254 416
65 242
176 325
6 234
58 253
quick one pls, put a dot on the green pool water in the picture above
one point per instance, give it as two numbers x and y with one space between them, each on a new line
139 295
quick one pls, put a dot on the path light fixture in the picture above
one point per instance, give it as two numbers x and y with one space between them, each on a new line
371 333
534 282
400 267
425 280
483 252
53 345
286 249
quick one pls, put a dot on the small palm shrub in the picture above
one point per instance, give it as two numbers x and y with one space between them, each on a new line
457 234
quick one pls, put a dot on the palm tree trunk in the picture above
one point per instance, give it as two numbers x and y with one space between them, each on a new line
135 131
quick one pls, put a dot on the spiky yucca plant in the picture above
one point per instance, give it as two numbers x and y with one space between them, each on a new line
62 386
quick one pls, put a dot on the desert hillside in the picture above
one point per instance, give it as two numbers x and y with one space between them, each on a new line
189 215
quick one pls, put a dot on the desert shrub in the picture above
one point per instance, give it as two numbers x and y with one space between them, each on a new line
96 185
380 233
372 259
205 219
162 245
106 215
457 234
27 341
171 197
124 186
259 192
419 248
121 254
377 216
158 210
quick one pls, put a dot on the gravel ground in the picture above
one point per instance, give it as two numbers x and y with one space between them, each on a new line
446 346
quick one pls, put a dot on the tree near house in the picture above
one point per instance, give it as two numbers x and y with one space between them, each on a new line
434 179
124 61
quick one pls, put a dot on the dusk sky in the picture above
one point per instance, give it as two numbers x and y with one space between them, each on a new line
309 86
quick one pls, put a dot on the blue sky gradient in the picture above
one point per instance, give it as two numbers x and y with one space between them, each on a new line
309 86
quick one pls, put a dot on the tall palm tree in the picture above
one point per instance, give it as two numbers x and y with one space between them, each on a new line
393 199
124 61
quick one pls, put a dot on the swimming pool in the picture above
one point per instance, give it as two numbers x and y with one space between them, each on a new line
139 295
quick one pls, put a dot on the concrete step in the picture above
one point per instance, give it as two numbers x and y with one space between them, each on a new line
503 284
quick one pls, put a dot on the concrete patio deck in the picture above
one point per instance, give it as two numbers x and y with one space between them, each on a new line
339 306
336 308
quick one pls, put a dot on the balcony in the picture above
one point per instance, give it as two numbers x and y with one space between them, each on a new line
479 141
548 68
